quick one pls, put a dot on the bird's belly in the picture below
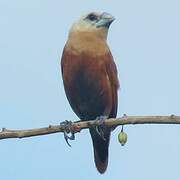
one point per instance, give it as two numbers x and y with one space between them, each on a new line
89 95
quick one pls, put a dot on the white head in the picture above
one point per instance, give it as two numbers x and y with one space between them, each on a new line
94 22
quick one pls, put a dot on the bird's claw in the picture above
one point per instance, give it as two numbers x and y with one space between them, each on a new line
99 128
69 127
124 116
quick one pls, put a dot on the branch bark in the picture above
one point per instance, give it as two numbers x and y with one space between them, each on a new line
125 120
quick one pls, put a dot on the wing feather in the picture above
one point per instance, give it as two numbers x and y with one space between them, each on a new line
113 78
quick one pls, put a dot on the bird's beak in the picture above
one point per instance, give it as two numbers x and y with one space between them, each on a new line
105 20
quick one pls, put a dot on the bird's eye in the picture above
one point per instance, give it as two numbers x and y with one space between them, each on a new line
92 17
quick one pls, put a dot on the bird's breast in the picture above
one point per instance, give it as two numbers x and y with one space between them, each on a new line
86 84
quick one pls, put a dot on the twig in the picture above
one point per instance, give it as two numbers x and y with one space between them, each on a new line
125 120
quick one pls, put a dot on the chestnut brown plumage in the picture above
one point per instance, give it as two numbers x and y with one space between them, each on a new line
90 77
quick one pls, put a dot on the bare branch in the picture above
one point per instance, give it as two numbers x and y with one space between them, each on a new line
125 120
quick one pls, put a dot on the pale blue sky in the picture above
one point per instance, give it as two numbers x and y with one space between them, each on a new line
145 43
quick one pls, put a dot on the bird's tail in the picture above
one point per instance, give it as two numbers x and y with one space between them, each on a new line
101 147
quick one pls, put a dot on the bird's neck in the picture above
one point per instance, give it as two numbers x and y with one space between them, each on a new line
87 42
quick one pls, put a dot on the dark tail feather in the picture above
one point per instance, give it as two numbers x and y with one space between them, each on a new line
100 149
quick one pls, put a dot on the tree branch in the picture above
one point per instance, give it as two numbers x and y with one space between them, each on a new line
125 120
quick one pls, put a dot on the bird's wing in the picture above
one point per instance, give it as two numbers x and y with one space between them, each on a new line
112 75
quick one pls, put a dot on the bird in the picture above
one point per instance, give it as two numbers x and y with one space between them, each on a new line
90 78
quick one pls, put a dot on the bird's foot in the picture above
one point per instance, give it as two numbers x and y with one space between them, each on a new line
100 126
124 116
71 128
